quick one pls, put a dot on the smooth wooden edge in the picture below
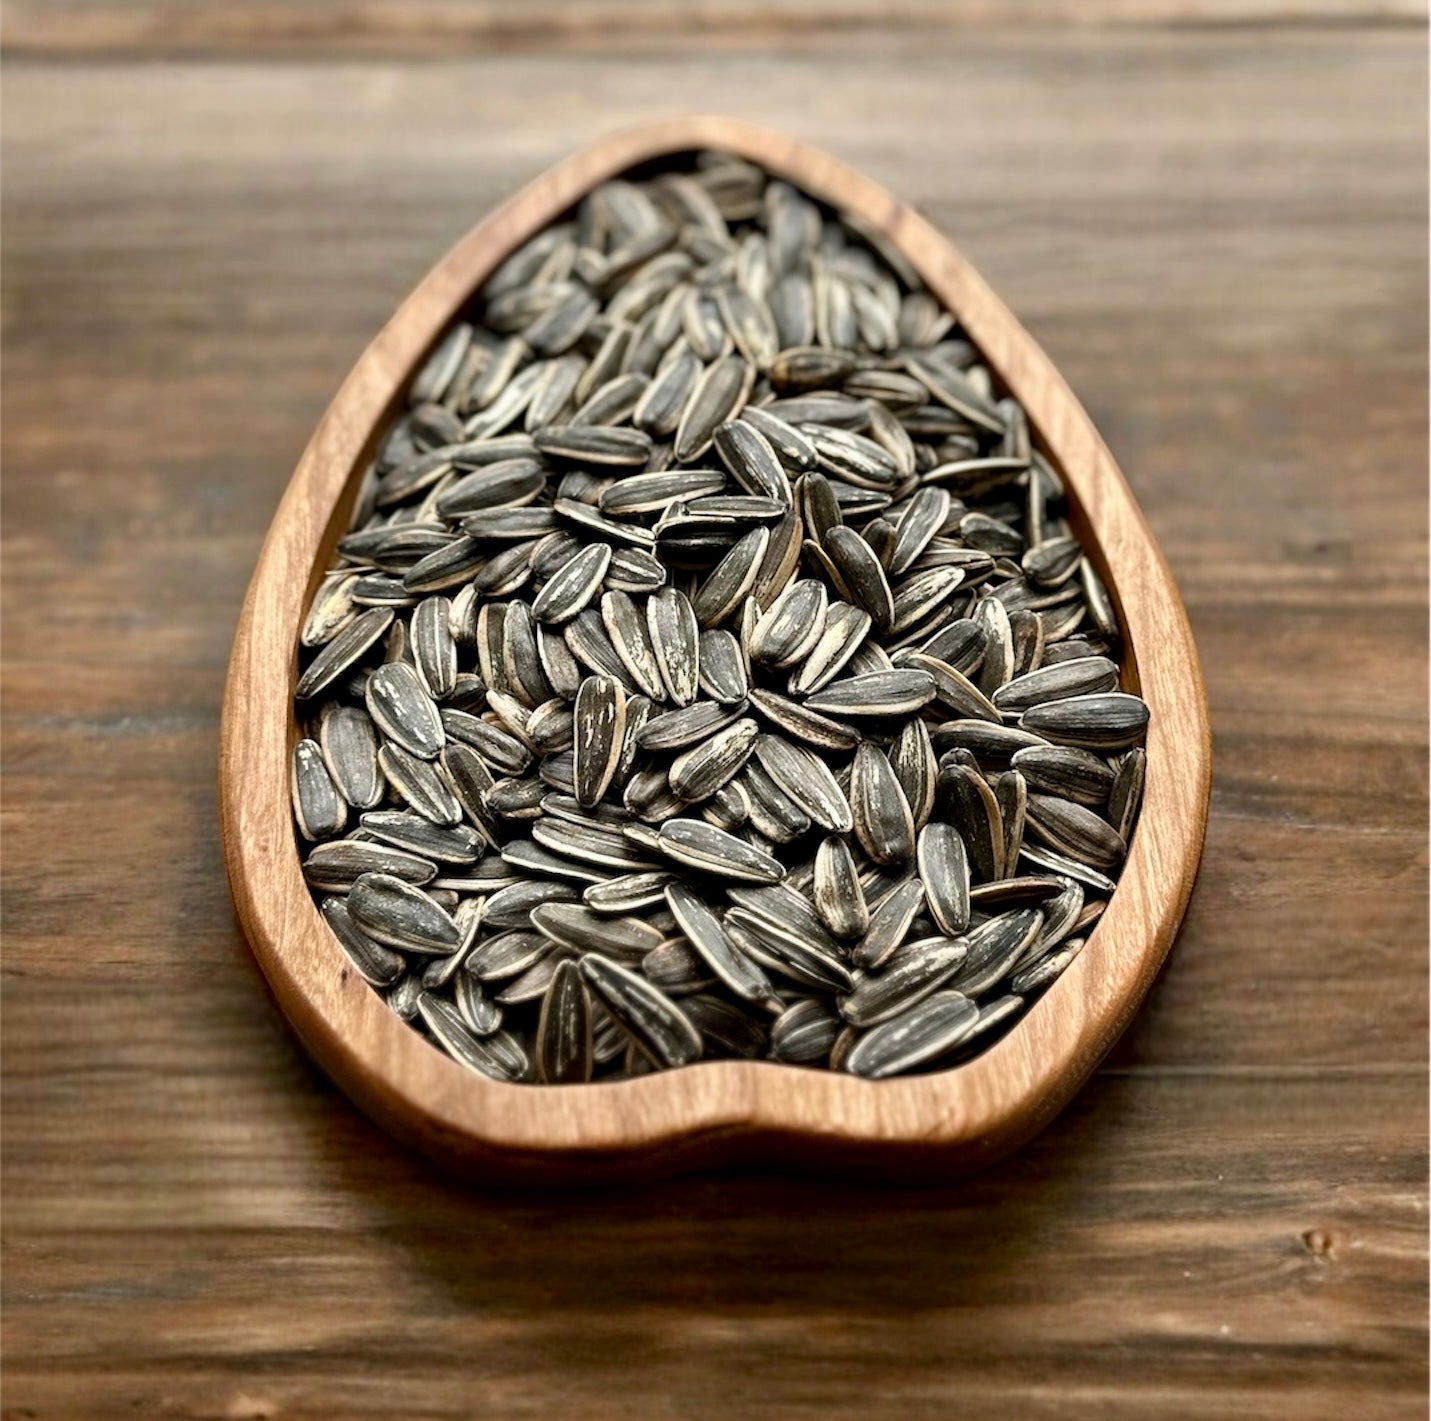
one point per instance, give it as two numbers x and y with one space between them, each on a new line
956 1120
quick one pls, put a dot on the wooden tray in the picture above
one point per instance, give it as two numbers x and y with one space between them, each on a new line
951 1122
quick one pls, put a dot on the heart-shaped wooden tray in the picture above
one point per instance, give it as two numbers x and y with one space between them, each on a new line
952 1121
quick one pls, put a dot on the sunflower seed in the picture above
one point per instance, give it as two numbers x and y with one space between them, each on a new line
704 847
400 915
648 1017
716 399
921 1034
1126 794
944 871
600 726
878 693
735 970
675 643
1112 721
839 898
377 965
806 779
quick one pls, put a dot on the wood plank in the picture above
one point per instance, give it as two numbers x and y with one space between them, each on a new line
446 29
1219 236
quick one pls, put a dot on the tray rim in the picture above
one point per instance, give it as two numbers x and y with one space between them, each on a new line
963 1118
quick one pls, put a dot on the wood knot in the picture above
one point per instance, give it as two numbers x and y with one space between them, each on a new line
1321 1243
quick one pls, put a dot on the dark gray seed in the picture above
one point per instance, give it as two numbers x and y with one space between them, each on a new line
789 630
973 810
839 899
889 924
571 589
626 626
923 517
442 843
1085 676
750 324
882 821
601 845
1025 891
1045 969
728 808
997 666
321 811
952 688
575 926
331 609
1011 795
1075 831
718 397
921 1034
737 972
650 493
791 447
677 968
419 784
550 726
702 846
400 915
722 668
915 767
563 1041
913 973
1063 770
591 519
960 644
482 1015
529 857
802 722
807 780
560 666
659 409
852 457
1052 562
1051 861
787 954
506 487
1061 915
845 628
531 985
944 870
433 647
881 693
588 642
600 728
782 558
862 574
335 866
953 389
1126 794
595 444
773 814
402 998
403 711
503 752
995 947
522 666
1026 628
990 744
675 638
502 525
819 507
803 1034
376 964
810 367
511 907
507 955
499 1056
689 725
645 1014
748 455
731 580
700 771
725 1029
628 893
344 651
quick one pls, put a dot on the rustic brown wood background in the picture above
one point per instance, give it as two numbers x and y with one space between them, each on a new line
1213 214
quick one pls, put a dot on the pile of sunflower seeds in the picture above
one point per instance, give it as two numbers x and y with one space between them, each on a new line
709 670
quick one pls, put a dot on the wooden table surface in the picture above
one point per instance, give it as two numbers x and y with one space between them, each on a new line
1214 217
